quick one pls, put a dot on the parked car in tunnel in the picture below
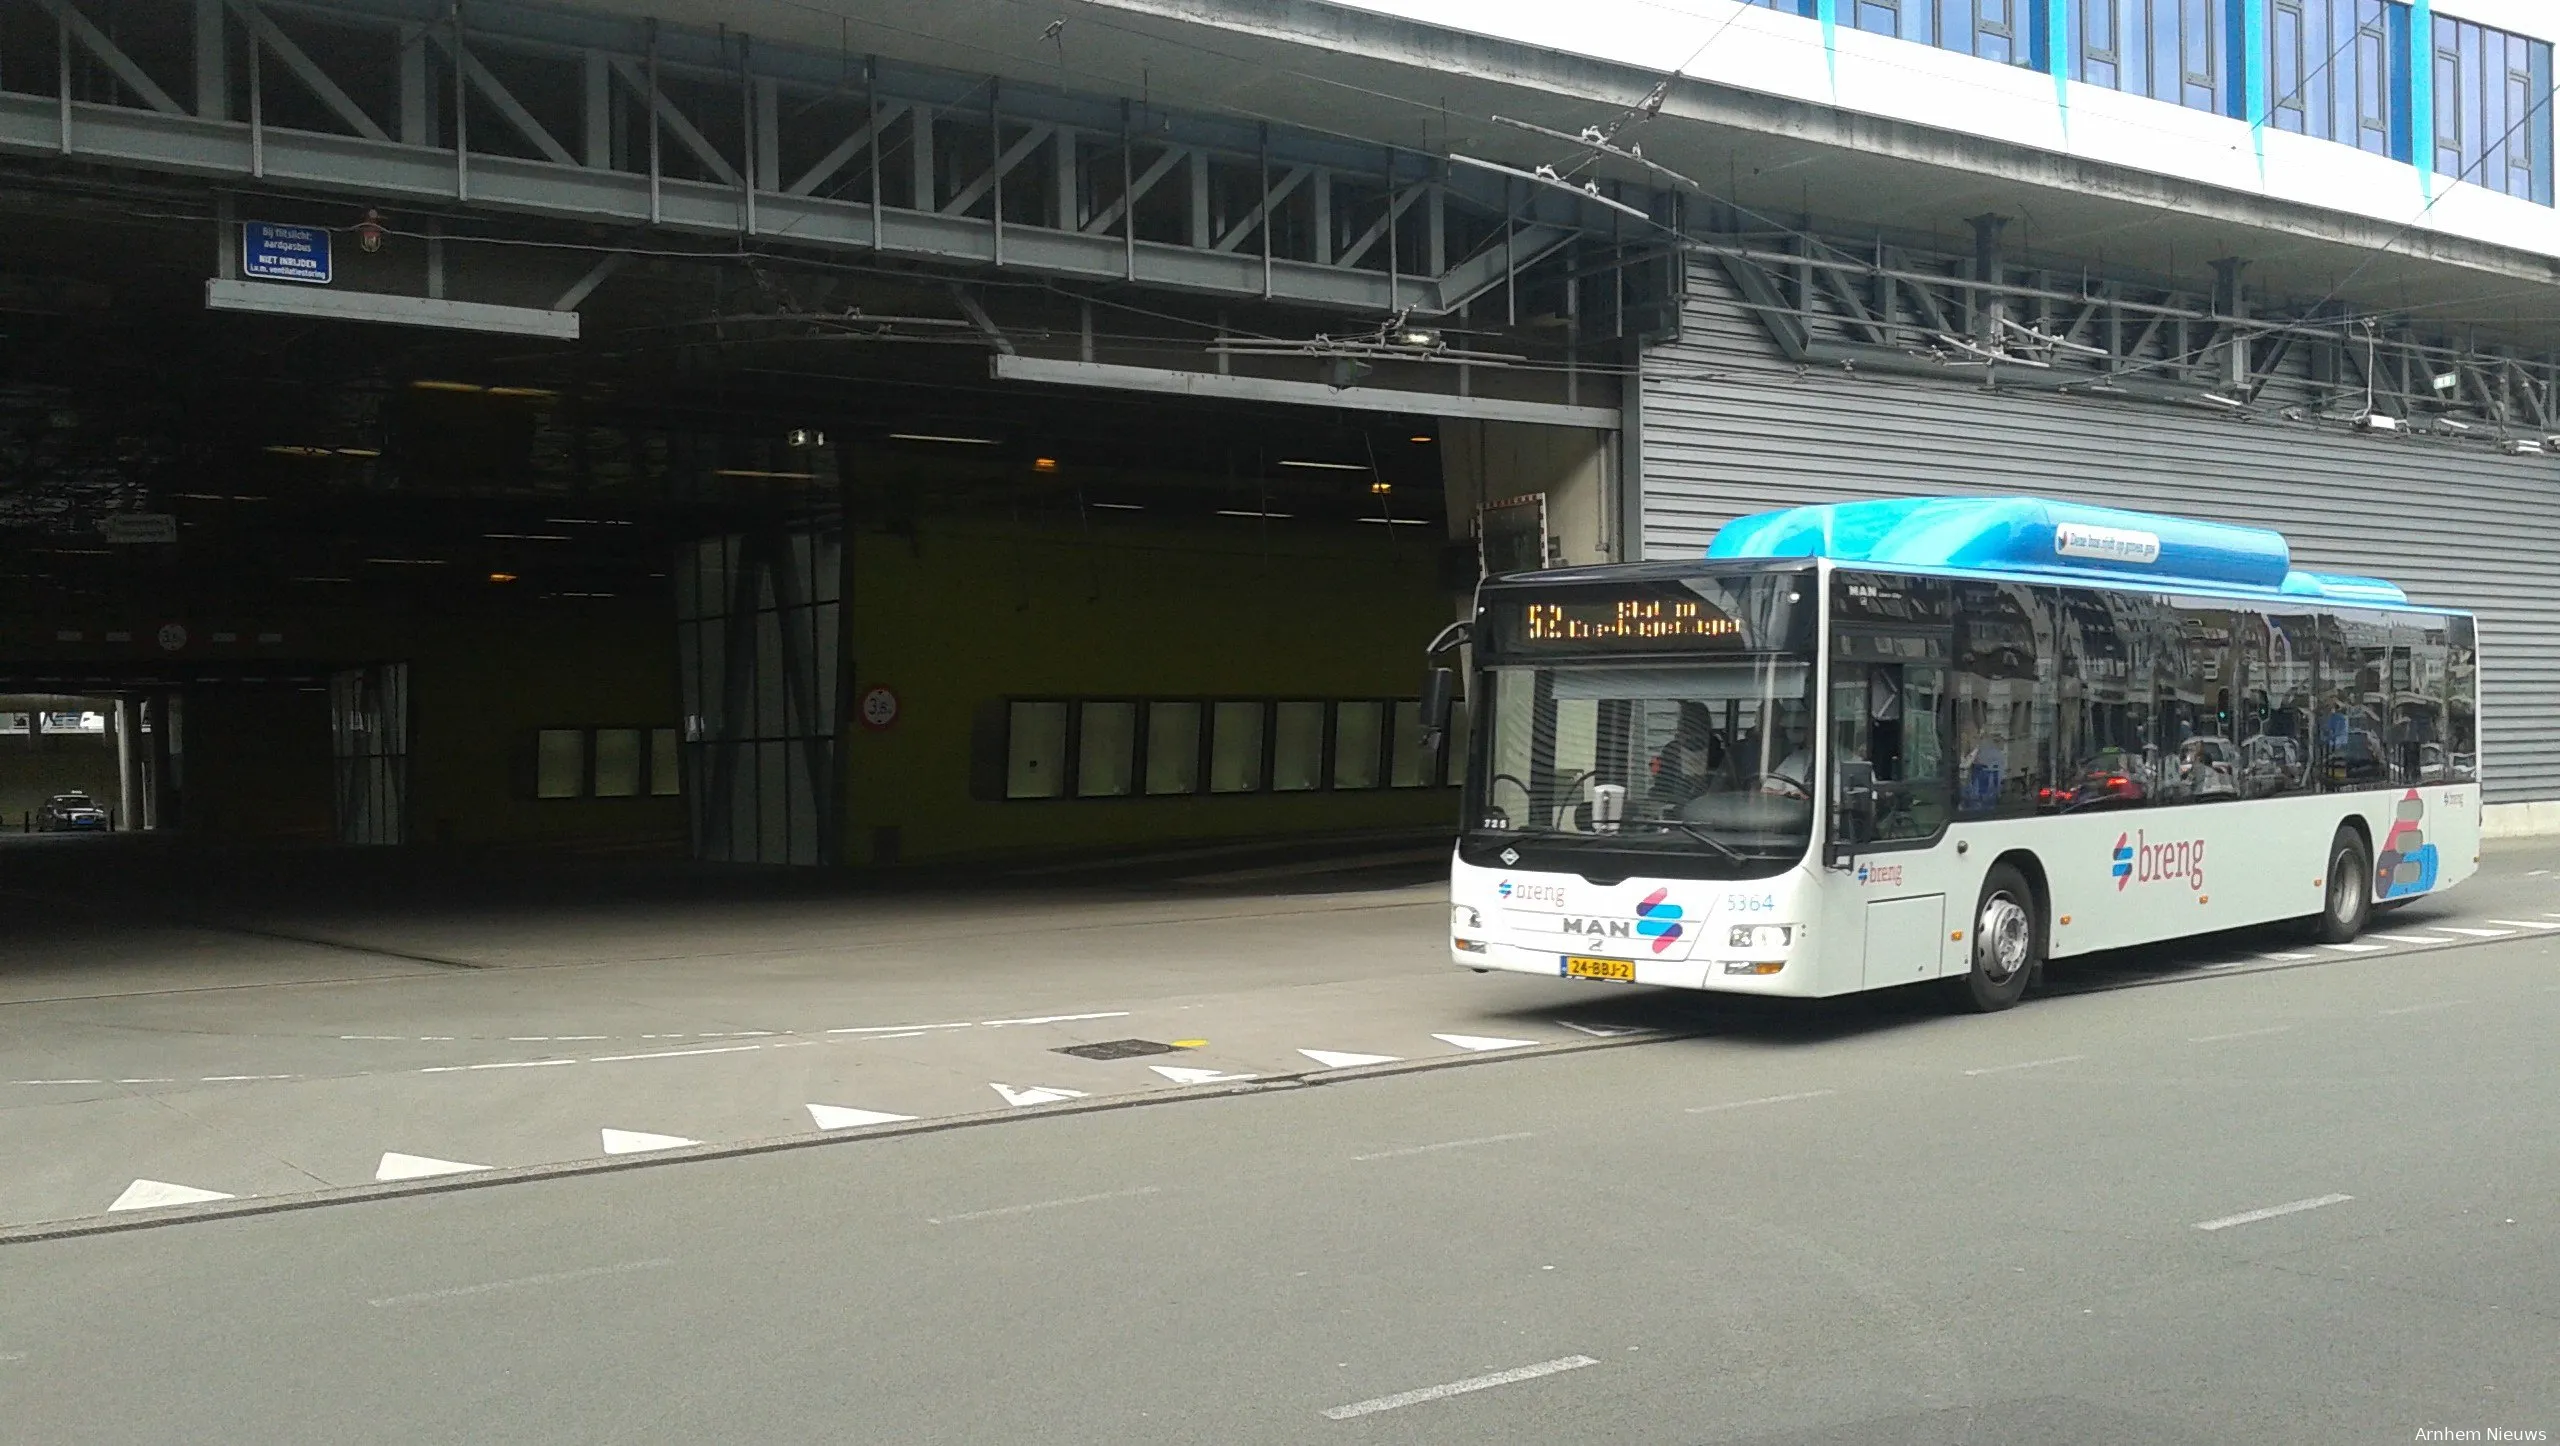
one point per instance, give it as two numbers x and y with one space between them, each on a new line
73 813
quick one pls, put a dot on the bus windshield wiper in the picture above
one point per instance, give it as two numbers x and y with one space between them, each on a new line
1695 832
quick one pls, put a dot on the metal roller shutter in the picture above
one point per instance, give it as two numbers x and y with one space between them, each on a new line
1732 428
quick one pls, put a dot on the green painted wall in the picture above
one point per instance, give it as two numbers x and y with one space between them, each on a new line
964 614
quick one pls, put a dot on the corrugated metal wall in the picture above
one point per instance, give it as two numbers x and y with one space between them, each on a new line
1731 427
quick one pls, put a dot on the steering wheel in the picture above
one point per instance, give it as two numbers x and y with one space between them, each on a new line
1778 785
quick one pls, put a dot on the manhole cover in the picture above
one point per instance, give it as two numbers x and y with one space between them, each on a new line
1116 1049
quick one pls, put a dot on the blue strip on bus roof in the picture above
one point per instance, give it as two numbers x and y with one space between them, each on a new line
2037 537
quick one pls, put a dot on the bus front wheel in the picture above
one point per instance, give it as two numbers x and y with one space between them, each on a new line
2346 903
2008 943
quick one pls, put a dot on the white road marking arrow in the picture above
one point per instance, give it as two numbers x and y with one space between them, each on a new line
153 1194
396 1166
837 1117
1336 1059
1038 1095
1480 1042
635 1142
1180 1075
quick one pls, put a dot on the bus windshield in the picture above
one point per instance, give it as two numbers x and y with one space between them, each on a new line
1704 756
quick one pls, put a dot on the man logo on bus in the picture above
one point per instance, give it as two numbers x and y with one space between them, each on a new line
2140 861
1658 920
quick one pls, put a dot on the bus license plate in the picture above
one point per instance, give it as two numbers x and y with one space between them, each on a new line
1577 967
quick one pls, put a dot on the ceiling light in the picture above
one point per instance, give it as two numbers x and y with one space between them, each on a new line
1237 512
538 393
753 474
286 450
410 561
1397 521
1044 464
1381 489
588 521
2379 422
1120 506
502 577
2450 425
1324 466
236 497
529 536
359 451
2217 399
322 579
1419 440
2523 447
584 594
201 496
951 441
446 386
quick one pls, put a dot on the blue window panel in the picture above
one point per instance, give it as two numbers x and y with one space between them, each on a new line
1788 7
2338 70
2493 109
2172 50
2010 32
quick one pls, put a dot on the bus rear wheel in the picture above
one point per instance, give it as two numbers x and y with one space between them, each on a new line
2346 901
2008 943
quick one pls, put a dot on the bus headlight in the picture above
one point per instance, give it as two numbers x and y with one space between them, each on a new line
1463 920
1761 938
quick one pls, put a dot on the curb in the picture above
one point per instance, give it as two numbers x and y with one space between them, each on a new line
811 1139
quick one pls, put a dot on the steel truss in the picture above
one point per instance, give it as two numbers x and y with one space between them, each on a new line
1874 307
595 118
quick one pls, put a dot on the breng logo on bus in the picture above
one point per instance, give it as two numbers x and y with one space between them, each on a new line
2140 861
1550 894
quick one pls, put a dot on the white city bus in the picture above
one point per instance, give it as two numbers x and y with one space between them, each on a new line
1868 744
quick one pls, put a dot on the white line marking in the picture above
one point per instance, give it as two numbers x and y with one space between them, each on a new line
2423 1008
1763 1100
396 1166
1338 1059
1043 1205
553 1278
2029 1064
2408 939
1056 1018
2355 948
2524 924
154 1080
1481 1042
1185 1075
2475 933
2535 873
1458 1388
237 1078
501 1064
1035 1094
389 1038
840 1117
11 1358
907 1034
160 1194
2251 1217
2243 1034
634 1142
1448 1145
56 1081
672 1053
2286 958
898 1028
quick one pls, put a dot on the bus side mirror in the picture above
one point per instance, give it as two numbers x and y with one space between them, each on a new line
1853 808
1438 686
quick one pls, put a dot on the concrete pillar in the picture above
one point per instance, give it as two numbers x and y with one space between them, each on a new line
1990 308
128 762
164 773
2231 299
1483 462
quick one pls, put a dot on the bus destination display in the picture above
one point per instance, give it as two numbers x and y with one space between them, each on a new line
1617 623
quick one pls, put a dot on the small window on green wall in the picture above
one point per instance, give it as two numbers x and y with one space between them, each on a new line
1036 766
1412 760
617 763
1357 736
1297 747
1235 748
560 763
1173 748
1106 735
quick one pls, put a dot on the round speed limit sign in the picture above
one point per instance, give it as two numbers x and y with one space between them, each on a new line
879 708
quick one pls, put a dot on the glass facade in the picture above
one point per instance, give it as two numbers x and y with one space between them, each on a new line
2493 109
2008 31
2173 50
2339 70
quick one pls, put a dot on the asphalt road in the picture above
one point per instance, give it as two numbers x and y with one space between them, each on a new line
1856 1223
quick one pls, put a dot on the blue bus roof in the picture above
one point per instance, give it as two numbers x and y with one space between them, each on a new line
2033 538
